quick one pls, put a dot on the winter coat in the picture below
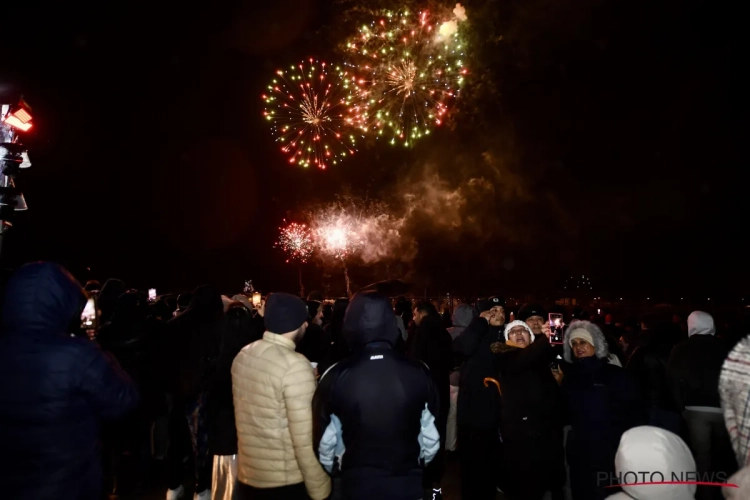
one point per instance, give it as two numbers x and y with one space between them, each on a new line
432 346
192 345
478 406
693 371
377 408
55 390
654 450
222 432
107 298
129 338
335 332
316 346
273 388
602 402
531 417
648 367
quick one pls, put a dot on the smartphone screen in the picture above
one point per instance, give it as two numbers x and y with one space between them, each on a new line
89 318
152 294
556 325
256 299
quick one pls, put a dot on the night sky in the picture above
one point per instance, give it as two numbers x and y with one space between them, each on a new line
606 134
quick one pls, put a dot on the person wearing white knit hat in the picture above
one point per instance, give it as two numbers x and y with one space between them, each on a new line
519 334
530 430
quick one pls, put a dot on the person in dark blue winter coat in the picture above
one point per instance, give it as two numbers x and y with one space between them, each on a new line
602 402
55 390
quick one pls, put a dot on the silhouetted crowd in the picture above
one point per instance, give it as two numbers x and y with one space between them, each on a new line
368 398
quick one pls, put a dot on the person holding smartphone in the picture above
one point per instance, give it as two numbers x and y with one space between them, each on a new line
531 426
57 390
478 407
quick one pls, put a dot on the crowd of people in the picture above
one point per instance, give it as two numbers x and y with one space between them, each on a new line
366 398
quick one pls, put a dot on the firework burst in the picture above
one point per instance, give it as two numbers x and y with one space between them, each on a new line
407 68
337 232
296 241
308 107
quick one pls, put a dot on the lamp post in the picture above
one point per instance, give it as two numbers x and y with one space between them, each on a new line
15 118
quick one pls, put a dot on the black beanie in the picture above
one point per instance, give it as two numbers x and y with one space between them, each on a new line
529 310
284 313
487 304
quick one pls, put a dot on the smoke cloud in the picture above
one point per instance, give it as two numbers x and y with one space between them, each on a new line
460 12
448 28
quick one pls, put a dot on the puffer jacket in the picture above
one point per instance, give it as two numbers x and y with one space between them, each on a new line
273 387
55 391
375 411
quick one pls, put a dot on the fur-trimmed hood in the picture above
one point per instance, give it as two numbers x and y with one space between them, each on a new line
600 344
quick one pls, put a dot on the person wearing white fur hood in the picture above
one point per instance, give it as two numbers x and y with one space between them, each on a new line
530 427
602 402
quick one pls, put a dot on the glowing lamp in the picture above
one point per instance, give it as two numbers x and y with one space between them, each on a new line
19 117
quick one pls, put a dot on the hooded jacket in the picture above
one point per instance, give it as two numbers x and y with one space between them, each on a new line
602 402
375 410
695 365
463 315
655 451
55 390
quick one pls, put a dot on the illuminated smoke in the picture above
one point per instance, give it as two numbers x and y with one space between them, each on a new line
460 12
448 28
352 228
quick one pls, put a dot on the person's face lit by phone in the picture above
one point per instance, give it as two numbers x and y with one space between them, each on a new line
582 349
519 336
535 323
497 316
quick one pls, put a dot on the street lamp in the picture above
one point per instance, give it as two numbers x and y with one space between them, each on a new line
14 157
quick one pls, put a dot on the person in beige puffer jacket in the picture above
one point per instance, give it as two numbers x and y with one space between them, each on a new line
272 387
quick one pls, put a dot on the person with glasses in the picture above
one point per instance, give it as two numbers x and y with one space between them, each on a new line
531 425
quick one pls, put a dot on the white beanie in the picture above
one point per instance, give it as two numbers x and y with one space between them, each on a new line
580 333
700 323
515 323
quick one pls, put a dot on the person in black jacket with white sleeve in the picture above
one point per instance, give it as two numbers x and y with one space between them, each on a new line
374 412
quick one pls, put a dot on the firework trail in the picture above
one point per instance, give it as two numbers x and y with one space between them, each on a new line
308 107
407 68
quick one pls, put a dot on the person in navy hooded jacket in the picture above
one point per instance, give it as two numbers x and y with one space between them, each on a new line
55 390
